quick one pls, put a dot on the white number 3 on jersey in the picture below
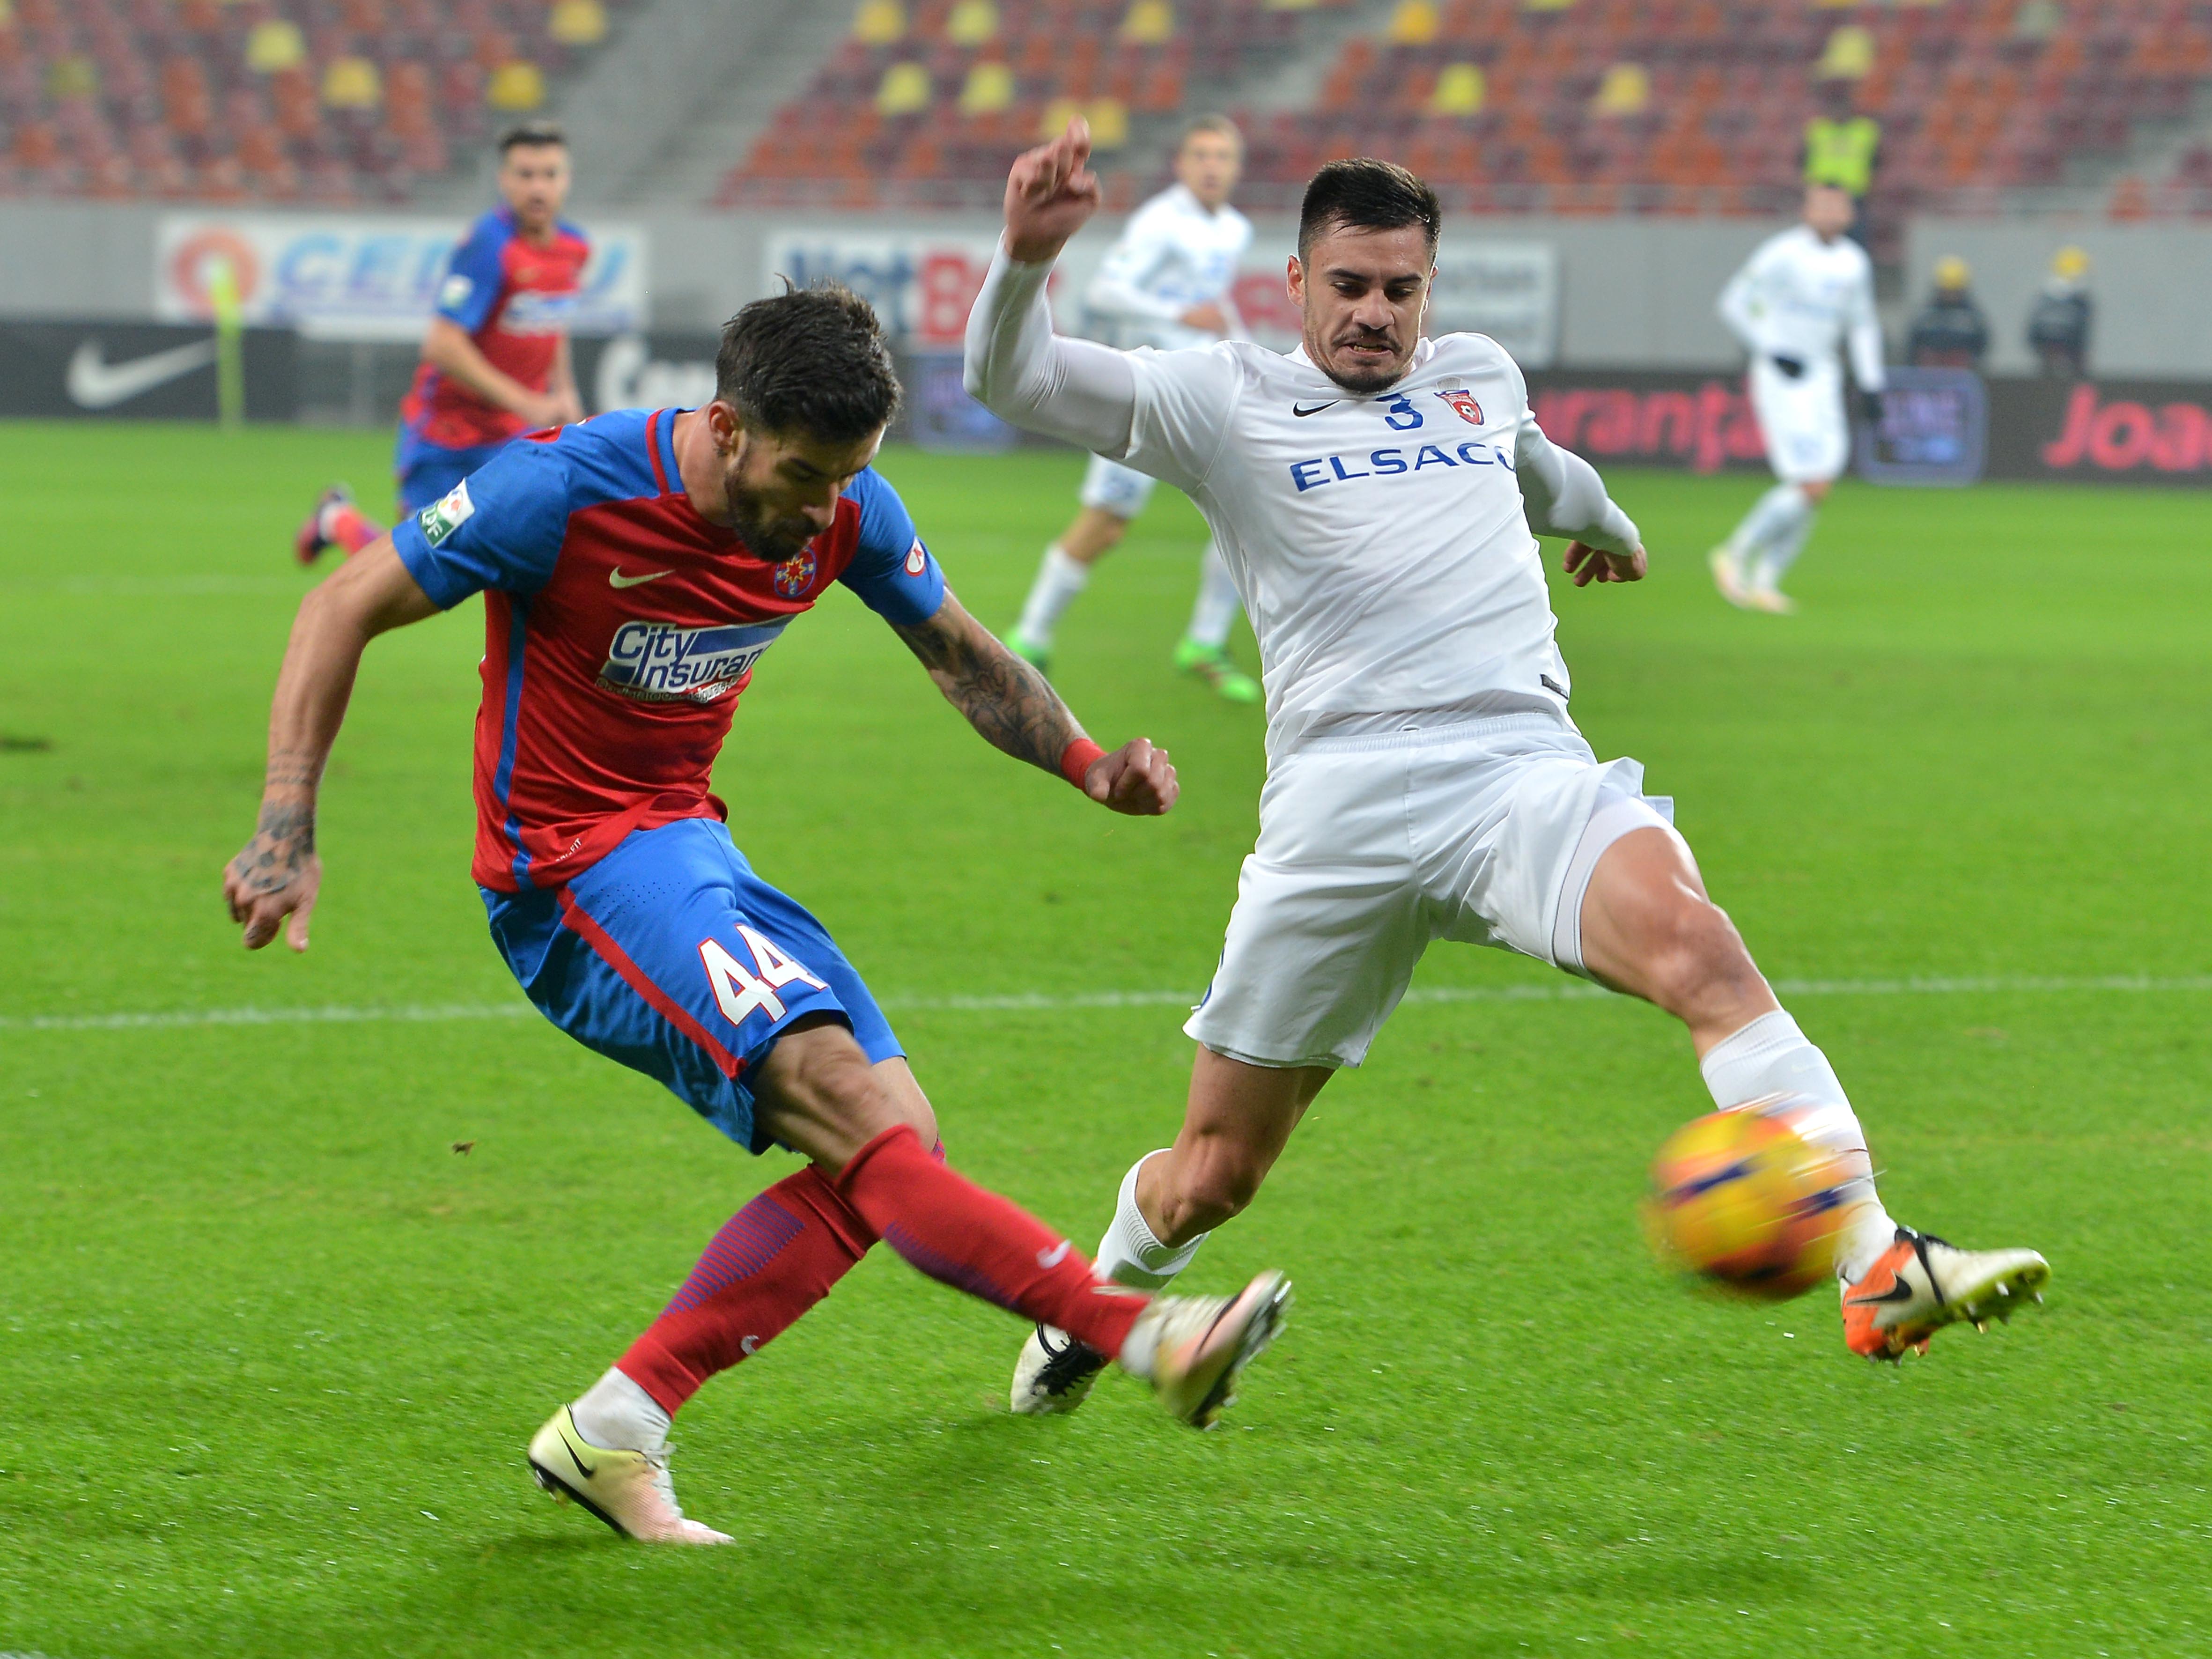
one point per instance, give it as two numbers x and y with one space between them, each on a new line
739 991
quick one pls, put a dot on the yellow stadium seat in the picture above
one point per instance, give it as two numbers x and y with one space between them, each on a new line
972 22
72 76
1461 90
1848 56
515 86
275 44
989 88
1148 23
577 22
352 83
1546 5
1625 90
1414 23
879 23
905 90
1109 122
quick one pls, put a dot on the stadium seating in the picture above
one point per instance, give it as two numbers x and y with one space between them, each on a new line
1563 105
322 102
927 100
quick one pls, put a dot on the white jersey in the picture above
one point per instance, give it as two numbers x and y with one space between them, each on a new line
1172 254
1798 296
1379 542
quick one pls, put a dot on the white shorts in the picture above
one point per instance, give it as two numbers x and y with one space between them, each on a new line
1122 490
1370 847
1809 441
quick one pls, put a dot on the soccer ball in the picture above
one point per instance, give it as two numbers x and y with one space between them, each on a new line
1741 1200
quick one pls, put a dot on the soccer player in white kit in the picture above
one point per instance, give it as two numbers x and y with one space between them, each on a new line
1804 295
1374 494
1165 283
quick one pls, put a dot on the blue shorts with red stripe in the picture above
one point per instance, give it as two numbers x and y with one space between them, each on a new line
671 955
425 472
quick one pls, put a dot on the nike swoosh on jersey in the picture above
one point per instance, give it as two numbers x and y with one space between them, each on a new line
616 579
1301 412
1051 1259
95 383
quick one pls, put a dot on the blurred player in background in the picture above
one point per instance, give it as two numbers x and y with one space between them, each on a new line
496 358
1797 300
1950 331
1165 284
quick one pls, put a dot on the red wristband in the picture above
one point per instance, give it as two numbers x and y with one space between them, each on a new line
1075 760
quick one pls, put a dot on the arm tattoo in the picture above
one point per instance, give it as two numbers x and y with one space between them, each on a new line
1003 697
290 768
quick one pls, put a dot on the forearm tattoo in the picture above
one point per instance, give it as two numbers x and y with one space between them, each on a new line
1004 698
284 842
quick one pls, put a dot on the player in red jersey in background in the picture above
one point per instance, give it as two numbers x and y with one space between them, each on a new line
495 359
635 569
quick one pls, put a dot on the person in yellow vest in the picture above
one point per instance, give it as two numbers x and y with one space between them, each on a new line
1841 147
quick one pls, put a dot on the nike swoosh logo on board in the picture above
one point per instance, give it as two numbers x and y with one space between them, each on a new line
1301 412
95 383
616 579
1050 1258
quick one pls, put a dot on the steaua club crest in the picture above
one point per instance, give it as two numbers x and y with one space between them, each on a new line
796 575
1464 405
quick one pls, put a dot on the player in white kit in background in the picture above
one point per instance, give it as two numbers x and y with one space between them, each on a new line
1374 495
1165 283
1797 301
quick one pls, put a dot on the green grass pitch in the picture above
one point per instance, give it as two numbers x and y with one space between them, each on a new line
269 1349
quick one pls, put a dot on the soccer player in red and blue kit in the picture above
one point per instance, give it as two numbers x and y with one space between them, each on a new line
634 569
496 360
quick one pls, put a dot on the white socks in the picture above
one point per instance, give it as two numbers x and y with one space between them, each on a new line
1129 1254
619 1416
1215 612
1782 550
1771 1056
1782 514
1059 580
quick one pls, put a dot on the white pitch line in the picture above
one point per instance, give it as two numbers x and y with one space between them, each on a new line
1046 1003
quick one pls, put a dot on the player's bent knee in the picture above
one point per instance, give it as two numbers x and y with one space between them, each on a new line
1698 958
818 1094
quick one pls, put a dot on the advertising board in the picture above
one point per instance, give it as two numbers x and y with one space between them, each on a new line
353 278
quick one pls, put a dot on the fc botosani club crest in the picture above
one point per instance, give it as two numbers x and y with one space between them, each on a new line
1464 405
795 575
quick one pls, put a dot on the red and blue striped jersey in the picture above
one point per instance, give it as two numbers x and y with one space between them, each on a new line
621 627
515 298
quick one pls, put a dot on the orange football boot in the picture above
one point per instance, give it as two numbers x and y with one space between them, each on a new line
1920 1284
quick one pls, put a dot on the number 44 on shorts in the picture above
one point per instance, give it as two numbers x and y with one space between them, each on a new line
738 990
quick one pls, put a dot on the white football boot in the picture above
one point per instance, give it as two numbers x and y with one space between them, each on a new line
1728 575
1765 596
630 1491
1054 1373
1198 1344
1920 1284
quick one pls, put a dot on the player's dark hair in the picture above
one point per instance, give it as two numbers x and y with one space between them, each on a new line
1365 194
531 135
810 360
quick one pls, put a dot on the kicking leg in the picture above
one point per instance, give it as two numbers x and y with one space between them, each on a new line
1237 1122
336 522
819 1095
1648 928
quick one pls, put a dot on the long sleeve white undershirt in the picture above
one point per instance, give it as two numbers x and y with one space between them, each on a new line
1023 370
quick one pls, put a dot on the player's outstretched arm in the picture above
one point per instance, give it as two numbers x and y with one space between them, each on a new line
276 874
1564 496
1018 711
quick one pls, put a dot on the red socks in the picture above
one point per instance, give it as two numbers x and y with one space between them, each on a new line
978 1241
771 1261
346 526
